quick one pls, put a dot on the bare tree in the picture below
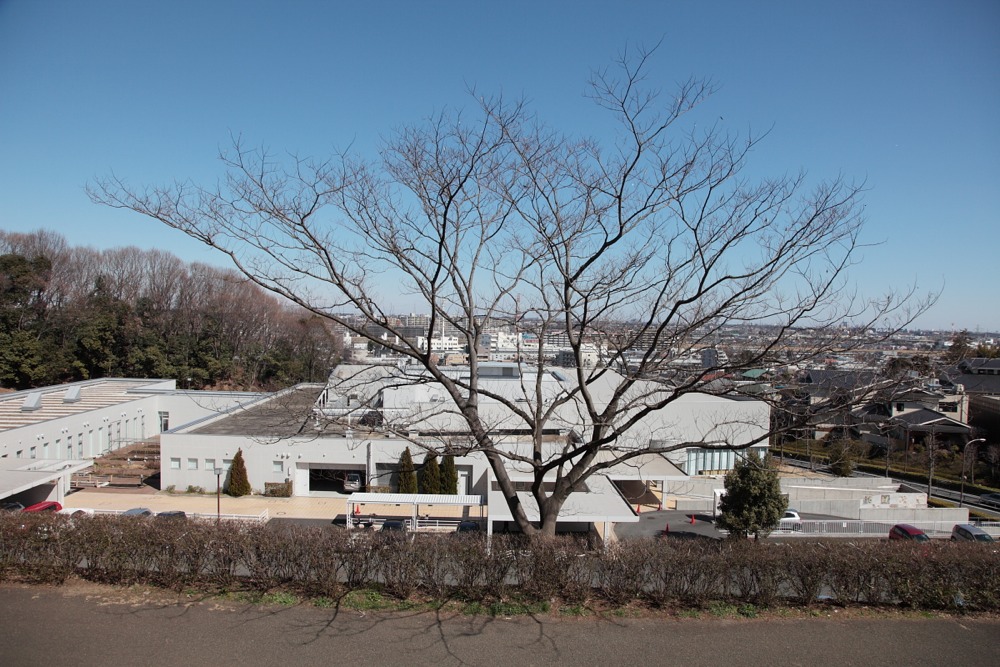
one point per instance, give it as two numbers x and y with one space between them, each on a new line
643 244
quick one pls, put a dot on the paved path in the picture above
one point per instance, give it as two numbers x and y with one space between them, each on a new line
56 626
297 507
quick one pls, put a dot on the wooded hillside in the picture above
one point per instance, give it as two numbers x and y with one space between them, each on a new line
75 313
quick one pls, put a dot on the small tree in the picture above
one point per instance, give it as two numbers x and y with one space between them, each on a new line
844 455
430 475
239 483
407 476
753 503
449 475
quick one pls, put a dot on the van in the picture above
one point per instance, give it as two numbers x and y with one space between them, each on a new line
352 482
966 532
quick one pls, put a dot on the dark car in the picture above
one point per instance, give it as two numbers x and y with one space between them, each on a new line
172 515
393 525
904 531
468 527
138 511
46 506
966 532
990 499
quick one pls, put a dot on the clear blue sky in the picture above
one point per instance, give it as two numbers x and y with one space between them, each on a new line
903 94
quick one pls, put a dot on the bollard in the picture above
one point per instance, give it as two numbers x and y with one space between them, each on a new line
666 529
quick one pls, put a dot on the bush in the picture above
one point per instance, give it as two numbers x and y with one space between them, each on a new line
239 483
323 562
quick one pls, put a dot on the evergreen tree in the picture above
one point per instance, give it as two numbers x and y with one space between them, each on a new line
449 475
753 504
407 476
430 475
239 483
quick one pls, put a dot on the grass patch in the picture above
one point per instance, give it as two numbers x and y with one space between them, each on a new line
575 610
283 598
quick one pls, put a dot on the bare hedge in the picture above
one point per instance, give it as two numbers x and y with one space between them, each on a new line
321 561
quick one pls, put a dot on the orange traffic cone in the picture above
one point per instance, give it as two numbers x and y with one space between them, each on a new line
692 519
638 509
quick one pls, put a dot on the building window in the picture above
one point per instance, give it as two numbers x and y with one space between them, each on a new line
227 464
20 453
277 467
210 464
34 454
948 407
164 421
899 407
175 464
192 464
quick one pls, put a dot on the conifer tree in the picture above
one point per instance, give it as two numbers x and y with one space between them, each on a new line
449 475
430 475
407 476
239 483
753 504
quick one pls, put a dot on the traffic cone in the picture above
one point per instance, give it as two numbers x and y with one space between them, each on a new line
692 519
638 509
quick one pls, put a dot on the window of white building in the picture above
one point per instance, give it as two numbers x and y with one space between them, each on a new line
175 464
192 464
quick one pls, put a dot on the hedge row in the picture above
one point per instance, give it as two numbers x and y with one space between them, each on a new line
327 562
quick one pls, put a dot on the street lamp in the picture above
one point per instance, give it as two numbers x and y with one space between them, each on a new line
961 497
218 495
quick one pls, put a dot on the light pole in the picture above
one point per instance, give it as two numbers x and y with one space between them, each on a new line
961 497
218 495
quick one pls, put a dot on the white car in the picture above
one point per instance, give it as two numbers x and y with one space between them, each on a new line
76 511
790 521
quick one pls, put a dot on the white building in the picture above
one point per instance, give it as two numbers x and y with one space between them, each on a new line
311 436
74 423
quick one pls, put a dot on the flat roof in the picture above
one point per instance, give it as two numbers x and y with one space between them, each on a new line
284 414
19 475
415 498
69 399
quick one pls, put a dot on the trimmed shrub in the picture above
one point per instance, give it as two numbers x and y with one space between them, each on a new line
239 483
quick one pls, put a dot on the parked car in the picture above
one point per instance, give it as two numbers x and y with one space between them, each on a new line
904 531
966 532
790 521
172 515
138 511
45 506
990 499
352 482
468 527
393 525
11 507
76 512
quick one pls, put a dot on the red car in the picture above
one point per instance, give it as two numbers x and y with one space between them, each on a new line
904 531
46 506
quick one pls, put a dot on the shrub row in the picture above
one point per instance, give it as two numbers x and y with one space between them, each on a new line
328 562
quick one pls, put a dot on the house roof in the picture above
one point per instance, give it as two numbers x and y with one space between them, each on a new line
930 420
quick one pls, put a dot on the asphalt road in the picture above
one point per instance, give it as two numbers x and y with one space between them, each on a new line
83 626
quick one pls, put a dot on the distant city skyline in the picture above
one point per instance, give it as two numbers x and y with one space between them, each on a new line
902 95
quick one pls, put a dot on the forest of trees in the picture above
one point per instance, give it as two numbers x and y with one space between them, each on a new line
76 313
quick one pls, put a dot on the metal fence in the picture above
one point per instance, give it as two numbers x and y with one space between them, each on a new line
854 528
261 518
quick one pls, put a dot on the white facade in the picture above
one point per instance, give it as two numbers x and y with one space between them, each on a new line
84 420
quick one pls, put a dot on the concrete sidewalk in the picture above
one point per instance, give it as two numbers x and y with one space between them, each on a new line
292 508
